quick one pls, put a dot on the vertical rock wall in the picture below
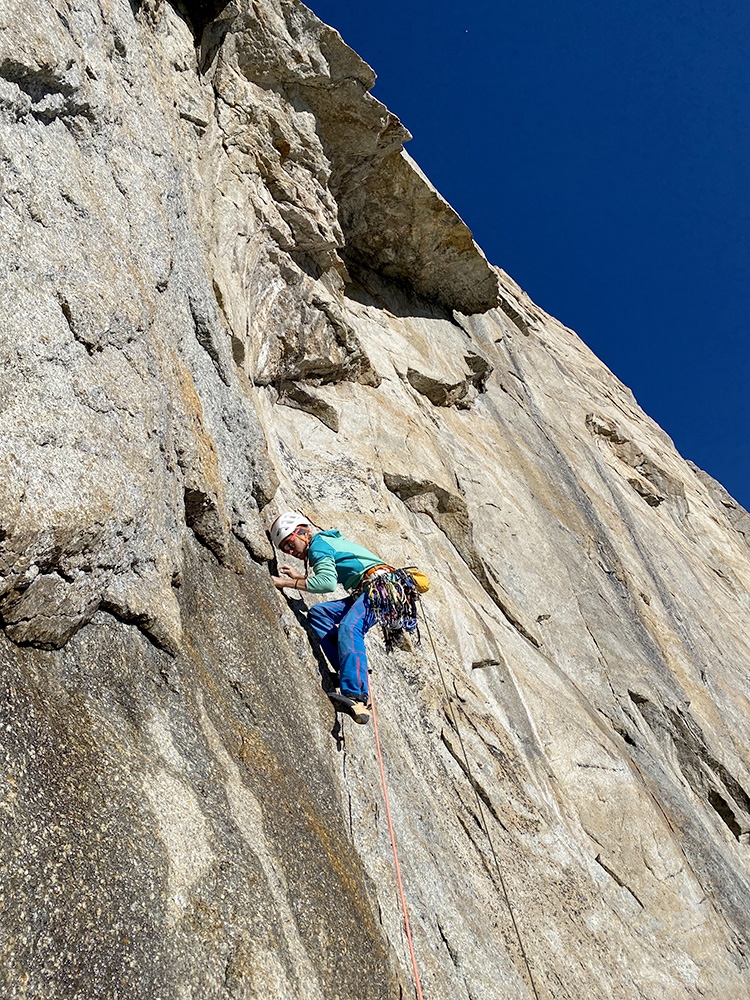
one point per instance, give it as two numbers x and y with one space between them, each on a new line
227 290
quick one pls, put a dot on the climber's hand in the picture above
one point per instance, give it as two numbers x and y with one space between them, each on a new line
292 573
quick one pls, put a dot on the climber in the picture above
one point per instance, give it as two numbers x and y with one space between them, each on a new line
341 625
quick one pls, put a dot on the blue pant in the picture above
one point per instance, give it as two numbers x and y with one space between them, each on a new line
341 627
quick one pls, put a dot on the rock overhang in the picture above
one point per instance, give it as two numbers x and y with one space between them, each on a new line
392 220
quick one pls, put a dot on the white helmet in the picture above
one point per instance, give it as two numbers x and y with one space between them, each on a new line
285 524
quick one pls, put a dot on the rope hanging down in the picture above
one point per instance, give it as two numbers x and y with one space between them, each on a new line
396 864
480 810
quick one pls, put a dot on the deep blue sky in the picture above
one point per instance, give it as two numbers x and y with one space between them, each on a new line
600 153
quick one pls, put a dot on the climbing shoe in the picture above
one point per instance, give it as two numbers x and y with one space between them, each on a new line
354 707
360 713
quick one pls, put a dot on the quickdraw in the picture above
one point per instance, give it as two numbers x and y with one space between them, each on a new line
394 598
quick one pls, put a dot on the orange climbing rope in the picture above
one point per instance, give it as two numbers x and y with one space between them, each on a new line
396 864
483 819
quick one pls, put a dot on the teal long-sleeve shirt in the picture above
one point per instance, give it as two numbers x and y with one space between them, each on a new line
334 559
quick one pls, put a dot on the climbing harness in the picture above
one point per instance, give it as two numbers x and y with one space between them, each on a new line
480 810
396 865
393 597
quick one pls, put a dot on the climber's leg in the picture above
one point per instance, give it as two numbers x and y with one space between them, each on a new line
354 625
324 620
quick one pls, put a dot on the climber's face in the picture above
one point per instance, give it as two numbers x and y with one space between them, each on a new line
297 543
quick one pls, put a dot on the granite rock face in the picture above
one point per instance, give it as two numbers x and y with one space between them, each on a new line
227 291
